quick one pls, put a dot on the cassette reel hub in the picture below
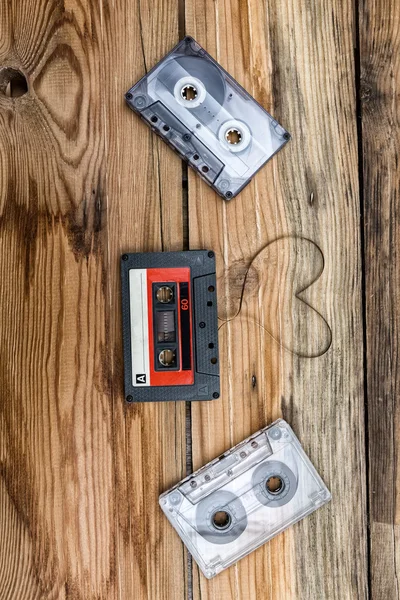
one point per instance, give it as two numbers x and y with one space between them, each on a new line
167 357
165 294
235 135
190 92
221 520
274 483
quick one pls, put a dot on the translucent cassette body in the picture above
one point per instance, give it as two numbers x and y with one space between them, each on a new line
207 117
242 499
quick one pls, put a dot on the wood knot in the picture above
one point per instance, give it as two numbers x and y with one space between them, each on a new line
13 83
365 93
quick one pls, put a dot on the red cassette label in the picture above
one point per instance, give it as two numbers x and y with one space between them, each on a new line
161 327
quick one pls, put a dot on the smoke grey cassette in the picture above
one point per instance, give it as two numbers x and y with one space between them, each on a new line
242 499
170 326
207 117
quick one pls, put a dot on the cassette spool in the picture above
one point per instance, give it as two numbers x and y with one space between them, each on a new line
170 326
207 117
245 497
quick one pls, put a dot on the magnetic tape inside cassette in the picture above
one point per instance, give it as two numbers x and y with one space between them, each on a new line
169 309
207 117
241 500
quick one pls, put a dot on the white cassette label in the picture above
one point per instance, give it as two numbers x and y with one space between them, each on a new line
139 327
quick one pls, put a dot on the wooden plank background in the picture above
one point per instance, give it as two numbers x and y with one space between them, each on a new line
380 110
303 209
83 180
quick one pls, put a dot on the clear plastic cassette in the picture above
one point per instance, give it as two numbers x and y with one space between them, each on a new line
207 117
245 497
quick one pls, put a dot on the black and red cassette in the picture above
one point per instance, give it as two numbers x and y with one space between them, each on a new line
170 326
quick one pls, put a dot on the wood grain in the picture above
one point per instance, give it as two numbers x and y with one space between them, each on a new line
81 180
379 94
303 210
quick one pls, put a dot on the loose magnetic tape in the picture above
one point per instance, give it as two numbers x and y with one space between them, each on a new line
245 497
170 326
207 118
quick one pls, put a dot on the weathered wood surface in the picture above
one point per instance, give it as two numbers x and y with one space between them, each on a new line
380 110
303 208
83 180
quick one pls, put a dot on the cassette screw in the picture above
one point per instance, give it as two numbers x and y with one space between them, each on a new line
254 444
175 499
129 96
228 194
207 478
187 137
193 484
124 257
286 136
215 395
243 454
140 101
202 324
129 398
275 433
211 254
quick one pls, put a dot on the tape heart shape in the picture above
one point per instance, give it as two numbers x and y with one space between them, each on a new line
277 293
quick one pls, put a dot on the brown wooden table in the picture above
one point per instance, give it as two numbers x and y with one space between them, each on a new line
316 341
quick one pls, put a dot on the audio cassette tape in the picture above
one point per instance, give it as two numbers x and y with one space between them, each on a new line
170 326
245 497
207 117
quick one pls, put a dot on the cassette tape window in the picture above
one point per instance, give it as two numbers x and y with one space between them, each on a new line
241 500
207 117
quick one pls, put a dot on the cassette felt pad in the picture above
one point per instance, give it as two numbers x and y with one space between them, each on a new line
170 326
